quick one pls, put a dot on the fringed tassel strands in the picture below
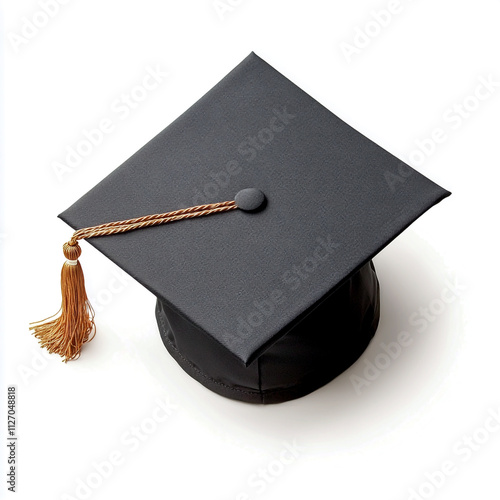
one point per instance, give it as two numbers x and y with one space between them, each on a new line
73 325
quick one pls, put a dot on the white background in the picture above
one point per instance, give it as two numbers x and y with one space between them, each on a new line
381 442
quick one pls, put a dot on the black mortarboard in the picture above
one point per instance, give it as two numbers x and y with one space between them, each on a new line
266 303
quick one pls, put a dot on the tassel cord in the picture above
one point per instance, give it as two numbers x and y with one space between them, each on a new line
73 325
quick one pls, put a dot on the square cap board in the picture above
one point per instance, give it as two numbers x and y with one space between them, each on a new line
260 305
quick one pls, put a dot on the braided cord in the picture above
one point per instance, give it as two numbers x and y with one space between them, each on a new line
151 220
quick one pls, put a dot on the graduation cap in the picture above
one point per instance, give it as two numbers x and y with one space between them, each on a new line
253 218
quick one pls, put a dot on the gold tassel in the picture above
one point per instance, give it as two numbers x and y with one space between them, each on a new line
73 324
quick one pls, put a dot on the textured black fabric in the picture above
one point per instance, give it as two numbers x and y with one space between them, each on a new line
334 199
317 347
